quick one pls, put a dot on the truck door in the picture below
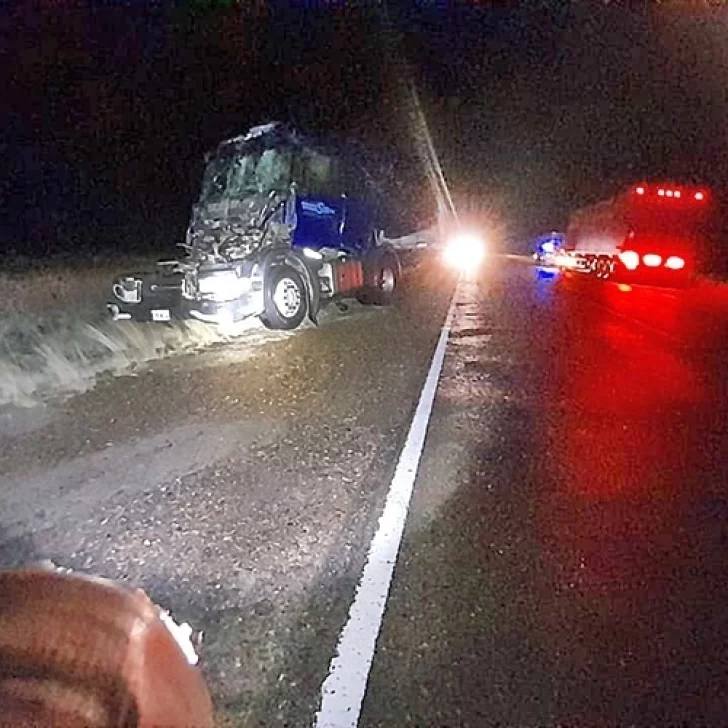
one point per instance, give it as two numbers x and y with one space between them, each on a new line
320 222
320 206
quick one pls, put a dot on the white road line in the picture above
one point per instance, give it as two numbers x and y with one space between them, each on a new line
342 693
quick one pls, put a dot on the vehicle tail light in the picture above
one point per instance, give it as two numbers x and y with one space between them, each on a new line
630 259
699 196
675 262
652 260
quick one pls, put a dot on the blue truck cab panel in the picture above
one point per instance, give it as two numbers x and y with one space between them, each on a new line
339 223
319 222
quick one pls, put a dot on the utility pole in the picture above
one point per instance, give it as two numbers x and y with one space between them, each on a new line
406 92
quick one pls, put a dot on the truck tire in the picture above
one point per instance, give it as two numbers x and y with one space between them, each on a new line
386 282
383 281
284 299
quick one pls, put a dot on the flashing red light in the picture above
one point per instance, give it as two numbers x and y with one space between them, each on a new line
699 196
640 190
678 193
669 193
661 193
675 262
652 260
630 259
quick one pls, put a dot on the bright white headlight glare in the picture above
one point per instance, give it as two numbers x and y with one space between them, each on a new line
465 251
223 285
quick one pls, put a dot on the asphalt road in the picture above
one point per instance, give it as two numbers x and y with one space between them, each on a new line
563 558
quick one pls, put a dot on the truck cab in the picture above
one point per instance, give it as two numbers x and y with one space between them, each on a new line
283 224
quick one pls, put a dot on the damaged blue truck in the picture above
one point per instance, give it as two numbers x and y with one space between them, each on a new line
283 226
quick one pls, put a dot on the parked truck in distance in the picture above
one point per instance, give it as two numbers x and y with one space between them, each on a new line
283 225
657 234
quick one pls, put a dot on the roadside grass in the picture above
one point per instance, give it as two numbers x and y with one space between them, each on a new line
61 284
55 335
64 352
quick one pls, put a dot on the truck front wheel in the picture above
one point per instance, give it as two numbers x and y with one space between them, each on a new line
284 299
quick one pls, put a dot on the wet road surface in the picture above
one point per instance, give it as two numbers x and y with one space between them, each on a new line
563 557
564 560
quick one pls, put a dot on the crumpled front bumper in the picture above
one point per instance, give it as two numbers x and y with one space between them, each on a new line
213 312
166 295
226 312
147 296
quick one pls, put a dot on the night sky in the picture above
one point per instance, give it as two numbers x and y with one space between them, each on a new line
535 107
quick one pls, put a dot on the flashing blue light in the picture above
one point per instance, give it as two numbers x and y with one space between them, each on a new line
550 243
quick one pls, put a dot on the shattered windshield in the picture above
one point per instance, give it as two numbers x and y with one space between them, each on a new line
215 180
257 173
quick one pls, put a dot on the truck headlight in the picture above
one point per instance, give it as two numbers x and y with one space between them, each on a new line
223 285
464 251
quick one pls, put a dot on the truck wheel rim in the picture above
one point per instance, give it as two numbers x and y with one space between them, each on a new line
386 282
287 297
